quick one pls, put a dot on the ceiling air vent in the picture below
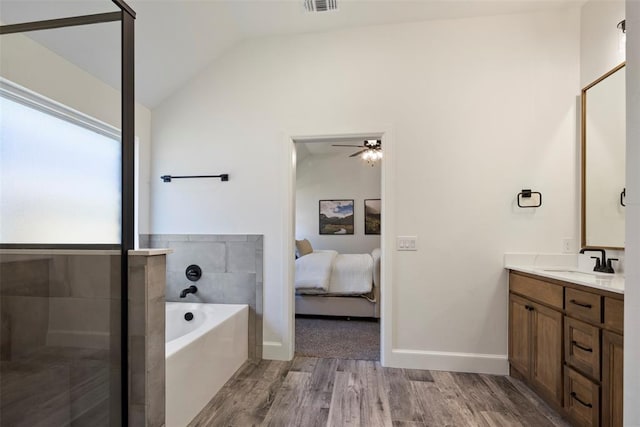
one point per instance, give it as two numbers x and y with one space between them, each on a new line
320 5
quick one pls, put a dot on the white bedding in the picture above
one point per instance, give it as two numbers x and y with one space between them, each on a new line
313 272
352 274
327 272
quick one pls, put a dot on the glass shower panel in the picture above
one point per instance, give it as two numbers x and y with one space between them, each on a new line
60 339
60 226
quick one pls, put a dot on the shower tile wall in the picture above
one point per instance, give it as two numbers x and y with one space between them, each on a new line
147 286
231 272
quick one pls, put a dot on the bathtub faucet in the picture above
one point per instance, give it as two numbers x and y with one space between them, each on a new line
190 290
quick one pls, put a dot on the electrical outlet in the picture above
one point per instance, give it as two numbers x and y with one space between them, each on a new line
567 245
407 243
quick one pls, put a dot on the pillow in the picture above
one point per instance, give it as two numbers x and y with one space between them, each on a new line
303 247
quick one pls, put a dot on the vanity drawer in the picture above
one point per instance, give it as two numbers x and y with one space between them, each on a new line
537 290
614 314
581 399
582 347
583 305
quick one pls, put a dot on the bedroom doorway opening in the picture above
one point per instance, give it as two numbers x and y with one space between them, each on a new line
337 222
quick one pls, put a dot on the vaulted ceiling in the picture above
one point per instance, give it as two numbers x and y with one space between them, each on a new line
177 39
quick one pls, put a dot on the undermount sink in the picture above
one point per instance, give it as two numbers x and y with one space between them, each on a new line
577 273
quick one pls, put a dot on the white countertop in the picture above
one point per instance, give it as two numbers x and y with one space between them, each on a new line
567 268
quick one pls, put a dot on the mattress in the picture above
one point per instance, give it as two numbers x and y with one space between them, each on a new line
330 273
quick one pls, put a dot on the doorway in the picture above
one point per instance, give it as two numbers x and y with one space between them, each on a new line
359 318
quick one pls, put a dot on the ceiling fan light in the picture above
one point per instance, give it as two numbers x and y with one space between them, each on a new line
372 155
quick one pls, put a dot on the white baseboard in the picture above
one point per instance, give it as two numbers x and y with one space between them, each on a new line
272 350
496 364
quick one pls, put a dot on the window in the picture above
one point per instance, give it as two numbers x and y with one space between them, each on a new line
60 180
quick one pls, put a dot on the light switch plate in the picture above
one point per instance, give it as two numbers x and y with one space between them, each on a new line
407 243
567 245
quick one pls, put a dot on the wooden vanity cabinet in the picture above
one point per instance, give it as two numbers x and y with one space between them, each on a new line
566 342
546 371
612 378
593 357
520 336
581 399
582 347
535 345
583 305
614 315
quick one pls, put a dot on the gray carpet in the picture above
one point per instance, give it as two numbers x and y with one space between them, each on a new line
339 339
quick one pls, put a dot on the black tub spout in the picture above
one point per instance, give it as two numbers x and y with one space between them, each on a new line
190 290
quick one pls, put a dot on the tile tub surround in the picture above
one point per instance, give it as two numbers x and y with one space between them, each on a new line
147 284
231 273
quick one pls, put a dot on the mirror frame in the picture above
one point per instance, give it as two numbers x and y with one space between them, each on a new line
583 158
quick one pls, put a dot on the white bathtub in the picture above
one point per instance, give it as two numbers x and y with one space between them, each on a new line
201 354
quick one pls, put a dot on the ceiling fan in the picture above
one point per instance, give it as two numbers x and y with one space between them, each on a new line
372 149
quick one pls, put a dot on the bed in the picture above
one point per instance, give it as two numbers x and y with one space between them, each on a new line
331 284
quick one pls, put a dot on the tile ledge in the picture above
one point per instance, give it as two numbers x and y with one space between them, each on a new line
150 252
60 252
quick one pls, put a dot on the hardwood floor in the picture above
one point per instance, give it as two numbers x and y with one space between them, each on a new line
336 392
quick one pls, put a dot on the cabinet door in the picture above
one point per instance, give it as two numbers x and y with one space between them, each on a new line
546 352
520 334
612 357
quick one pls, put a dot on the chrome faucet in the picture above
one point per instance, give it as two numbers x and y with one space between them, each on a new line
190 290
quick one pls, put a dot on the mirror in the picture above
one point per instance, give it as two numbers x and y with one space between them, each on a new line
603 161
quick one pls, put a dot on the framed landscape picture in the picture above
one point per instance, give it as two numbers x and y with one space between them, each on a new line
372 212
336 217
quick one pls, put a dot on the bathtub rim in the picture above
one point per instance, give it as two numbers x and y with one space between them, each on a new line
175 345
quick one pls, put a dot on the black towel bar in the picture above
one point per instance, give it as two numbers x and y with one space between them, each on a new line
168 178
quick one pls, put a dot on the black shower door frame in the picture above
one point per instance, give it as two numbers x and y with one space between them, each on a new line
126 16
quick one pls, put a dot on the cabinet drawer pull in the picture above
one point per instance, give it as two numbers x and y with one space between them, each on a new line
575 343
581 304
575 397
528 307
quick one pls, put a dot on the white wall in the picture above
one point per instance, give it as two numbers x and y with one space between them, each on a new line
599 38
632 252
37 68
480 108
331 177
